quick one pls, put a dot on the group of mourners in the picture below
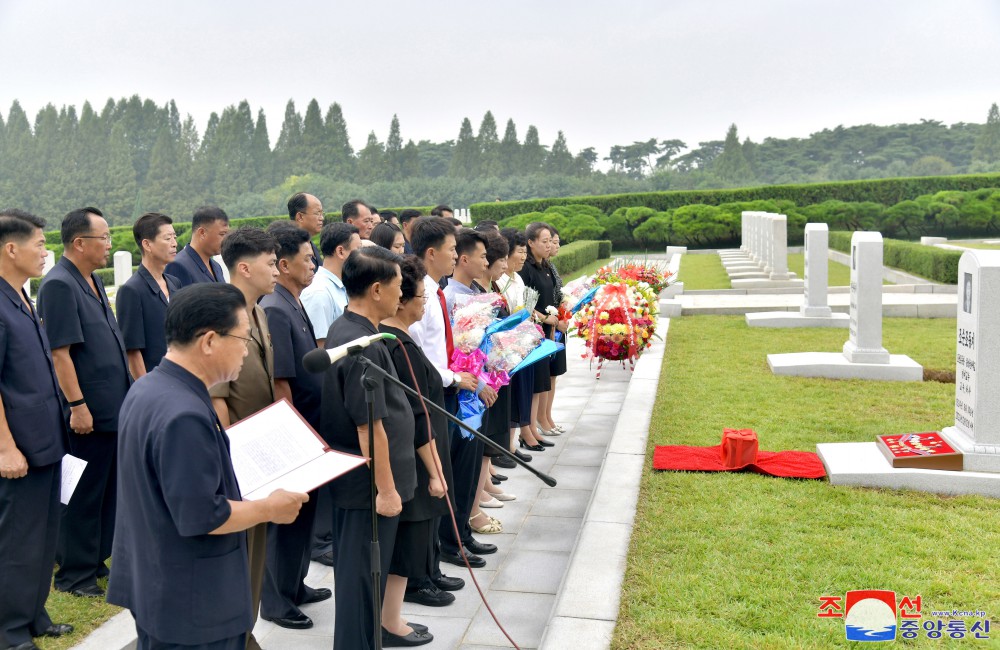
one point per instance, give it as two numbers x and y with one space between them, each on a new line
144 388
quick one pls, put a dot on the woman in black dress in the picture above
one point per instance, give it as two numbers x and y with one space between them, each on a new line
557 365
412 556
537 274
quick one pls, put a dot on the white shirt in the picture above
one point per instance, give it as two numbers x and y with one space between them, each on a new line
325 300
429 332
512 289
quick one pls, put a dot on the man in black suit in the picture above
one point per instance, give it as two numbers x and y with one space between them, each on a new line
141 303
89 356
306 211
194 263
32 435
292 337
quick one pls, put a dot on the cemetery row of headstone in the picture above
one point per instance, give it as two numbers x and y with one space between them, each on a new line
762 261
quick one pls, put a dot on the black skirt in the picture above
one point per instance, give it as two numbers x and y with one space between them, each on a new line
557 365
412 555
522 386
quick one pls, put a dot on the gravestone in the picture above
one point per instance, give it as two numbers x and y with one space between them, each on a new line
123 267
977 362
863 356
814 303
864 345
814 312
772 270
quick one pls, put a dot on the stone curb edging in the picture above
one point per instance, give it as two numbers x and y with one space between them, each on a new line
586 607
117 633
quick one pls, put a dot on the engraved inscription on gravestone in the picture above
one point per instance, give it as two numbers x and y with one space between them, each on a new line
965 361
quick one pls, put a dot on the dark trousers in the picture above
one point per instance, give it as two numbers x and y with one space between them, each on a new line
322 540
29 528
287 564
88 521
466 463
257 552
146 642
353 625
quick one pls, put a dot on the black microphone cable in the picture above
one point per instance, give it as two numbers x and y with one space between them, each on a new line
451 510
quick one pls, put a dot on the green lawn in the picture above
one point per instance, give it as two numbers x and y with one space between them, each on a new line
84 614
589 269
733 560
702 272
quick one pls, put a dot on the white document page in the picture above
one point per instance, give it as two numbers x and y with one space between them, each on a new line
72 470
276 448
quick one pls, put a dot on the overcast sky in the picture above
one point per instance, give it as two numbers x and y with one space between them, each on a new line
604 72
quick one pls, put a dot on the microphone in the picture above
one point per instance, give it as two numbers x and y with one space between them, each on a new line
318 360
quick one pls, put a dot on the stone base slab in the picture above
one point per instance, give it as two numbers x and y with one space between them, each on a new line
861 464
673 290
794 319
833 365
975 457
747 275
765 284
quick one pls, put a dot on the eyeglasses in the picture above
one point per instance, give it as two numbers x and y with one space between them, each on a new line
246 341
106 238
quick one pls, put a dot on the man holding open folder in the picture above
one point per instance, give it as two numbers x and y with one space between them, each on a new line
180 547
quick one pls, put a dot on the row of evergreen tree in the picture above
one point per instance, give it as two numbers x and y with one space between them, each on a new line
134 156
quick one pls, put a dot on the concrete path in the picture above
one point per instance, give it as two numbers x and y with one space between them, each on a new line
541 527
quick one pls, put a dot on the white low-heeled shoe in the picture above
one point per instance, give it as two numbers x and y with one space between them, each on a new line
503 496
492 503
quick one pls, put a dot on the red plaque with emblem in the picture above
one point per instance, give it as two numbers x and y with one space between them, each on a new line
920 451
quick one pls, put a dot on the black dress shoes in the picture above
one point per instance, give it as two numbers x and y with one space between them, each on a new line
500 477
316 595
300 622
447 583
545 443
479 548
429 596
495 481
503 461
524 458
90 591
58 629
475 561
525 445
414 638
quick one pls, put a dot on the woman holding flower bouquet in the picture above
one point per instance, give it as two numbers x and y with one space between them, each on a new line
537 274
558 362
522 384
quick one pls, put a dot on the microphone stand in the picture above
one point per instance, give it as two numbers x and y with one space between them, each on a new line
369 384
368 365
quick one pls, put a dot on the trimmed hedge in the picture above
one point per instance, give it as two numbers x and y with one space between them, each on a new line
887 191
603 249
937 264
579 254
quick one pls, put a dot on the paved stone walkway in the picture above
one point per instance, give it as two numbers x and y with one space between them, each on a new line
522 579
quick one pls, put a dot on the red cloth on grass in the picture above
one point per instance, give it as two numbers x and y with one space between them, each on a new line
786 464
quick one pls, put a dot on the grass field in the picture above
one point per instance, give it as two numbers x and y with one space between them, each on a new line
589 269
703 272
733 560
84 614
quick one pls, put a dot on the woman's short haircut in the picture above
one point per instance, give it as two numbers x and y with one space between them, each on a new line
429 232
148 227
514 238
200 308
413 271
496 246
366 266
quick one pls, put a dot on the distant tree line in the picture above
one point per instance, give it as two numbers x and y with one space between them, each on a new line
134 156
